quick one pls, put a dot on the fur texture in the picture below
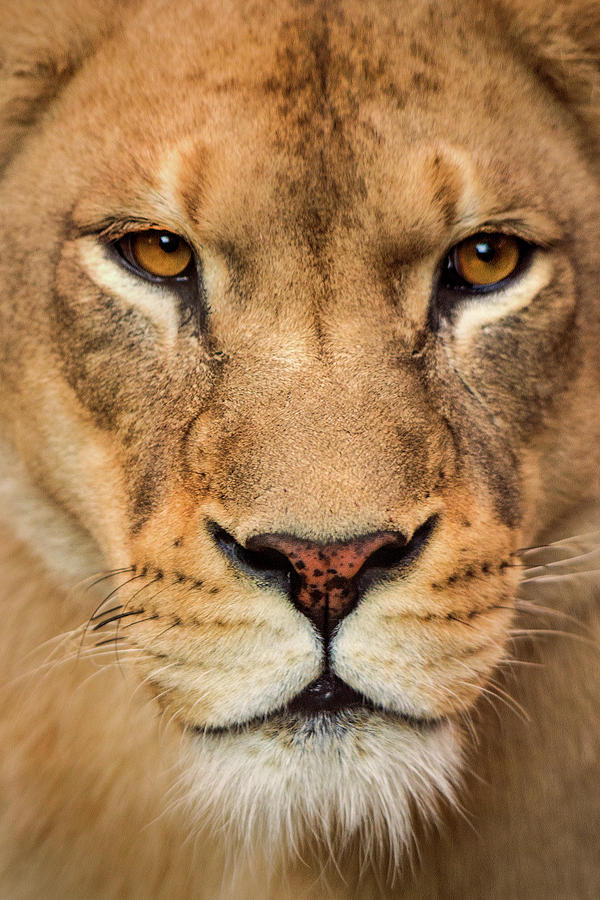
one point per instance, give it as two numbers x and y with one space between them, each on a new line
314 378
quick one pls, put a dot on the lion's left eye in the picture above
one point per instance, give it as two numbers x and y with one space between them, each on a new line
483 261
156 254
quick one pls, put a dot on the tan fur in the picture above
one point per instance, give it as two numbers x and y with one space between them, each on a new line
321 159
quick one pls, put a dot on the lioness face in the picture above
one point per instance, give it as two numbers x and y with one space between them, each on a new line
314 446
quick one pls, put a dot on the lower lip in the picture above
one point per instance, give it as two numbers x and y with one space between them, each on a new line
345 717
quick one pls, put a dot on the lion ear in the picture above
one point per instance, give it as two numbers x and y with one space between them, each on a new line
42 44
561 41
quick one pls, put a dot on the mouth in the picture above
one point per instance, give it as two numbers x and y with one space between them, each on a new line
326 703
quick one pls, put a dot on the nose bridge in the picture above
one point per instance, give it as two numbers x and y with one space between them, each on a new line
352 452
325 451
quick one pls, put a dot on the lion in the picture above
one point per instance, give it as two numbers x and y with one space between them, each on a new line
300 449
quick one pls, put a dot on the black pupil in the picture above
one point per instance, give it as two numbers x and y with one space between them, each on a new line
168 242
485 251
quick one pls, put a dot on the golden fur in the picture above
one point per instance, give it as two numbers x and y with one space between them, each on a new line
321 158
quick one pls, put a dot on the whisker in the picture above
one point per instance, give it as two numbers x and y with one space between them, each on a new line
54 643
64 649
165 588
572 548
485 694
122 615
466 716
580 563
106 599
559 579
510 661
95 578
529 632
532 549
105 612
153 676
586 537
106 575
118 617
160 634
501 693
528 608
492 691
110 640
131 599
143 588
139 621
532 633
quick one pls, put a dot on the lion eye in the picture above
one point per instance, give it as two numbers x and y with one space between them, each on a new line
154 253
484 260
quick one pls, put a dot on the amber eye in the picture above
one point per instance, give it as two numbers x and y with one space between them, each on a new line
160 254
486 259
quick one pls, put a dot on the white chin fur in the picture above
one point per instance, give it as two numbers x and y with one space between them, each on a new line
278 787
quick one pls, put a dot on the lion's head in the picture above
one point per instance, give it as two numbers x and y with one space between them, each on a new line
298 309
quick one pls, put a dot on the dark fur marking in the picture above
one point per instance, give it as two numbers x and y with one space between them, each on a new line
420 52
424 84
444 617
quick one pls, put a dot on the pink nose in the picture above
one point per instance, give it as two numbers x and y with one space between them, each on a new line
326 585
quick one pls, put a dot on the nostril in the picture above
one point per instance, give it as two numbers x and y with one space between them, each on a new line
394 555
387 557
266 565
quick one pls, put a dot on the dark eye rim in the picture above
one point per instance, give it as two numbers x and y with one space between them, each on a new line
123 251
450 282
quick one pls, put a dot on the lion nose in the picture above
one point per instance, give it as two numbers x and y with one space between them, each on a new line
325 581
326 587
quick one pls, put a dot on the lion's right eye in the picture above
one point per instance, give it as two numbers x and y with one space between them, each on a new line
156 254
484 262
486 259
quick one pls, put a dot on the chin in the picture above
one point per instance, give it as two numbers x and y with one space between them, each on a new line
318 779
